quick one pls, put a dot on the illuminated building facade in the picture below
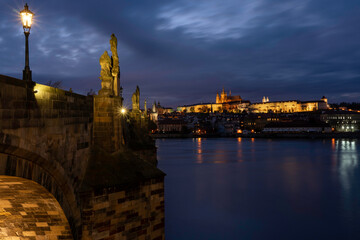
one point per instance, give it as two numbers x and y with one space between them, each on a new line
224 102
228 103
342 121
289 106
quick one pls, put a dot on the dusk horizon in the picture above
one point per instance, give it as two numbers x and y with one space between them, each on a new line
182 52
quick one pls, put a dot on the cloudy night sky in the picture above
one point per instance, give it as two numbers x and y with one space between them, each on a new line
182 52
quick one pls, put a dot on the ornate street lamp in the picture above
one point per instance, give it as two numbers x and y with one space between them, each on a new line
26 18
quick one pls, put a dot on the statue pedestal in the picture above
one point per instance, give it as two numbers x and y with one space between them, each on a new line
106 88
107 131
105 92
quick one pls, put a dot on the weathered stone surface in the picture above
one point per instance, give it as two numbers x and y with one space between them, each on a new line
29 210
45 135
108 130
115 71
135 213
75 147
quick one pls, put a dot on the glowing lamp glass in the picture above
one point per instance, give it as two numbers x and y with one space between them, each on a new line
26 18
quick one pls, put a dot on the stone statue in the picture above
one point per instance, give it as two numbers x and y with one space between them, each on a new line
105 74
105 63
136 100
115 71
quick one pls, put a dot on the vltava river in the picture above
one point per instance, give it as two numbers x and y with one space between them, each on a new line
241 188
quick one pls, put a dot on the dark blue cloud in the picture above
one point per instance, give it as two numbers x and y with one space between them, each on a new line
183 52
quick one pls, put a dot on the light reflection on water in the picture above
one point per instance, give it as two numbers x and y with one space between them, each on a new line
263 188
199 151
348 158
347 155
239 150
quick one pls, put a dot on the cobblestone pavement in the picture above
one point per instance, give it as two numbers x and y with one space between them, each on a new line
28 211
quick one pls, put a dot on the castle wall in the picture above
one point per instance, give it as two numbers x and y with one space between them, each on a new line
287 106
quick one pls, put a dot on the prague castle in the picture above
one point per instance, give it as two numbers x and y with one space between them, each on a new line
224 98
226 102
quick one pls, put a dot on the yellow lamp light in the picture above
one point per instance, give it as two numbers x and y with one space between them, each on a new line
26 18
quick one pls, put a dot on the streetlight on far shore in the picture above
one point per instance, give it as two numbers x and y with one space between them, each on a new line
26 18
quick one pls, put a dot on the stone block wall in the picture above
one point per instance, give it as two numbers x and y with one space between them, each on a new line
53 123
107 131
47 131
27 169
29 212
136 213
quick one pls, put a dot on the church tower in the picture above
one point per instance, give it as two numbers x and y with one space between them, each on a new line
223 96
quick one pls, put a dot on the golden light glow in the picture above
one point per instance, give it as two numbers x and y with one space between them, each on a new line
239 150
41 91
26 19
333 144
199 158
239 131
123 110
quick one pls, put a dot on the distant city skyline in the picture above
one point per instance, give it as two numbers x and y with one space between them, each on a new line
183 52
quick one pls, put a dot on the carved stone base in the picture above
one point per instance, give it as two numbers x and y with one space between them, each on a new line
106 87
105 92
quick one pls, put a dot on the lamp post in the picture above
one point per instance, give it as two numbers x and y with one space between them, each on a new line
26 18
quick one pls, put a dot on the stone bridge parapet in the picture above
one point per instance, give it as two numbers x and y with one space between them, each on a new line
47 135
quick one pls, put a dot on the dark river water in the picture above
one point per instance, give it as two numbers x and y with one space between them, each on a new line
237 188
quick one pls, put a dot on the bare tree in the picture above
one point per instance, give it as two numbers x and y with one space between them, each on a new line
56 84
91 92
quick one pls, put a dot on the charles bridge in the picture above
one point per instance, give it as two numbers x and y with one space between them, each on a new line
98 163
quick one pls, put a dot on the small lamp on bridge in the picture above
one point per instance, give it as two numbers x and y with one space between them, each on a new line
26 18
